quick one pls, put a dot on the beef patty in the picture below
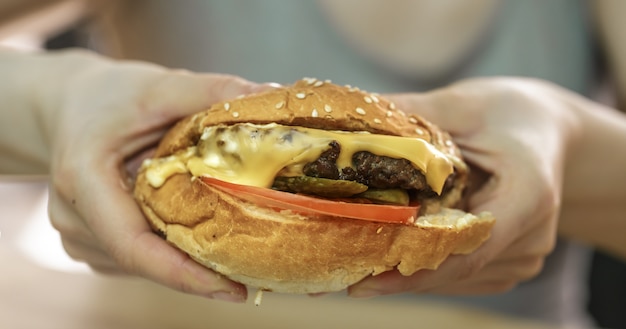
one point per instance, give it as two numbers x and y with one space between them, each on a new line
369 169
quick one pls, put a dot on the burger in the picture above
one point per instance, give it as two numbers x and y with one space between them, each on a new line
309 188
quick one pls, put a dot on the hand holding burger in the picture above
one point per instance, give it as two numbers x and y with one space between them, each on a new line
309 188
89 126
521 133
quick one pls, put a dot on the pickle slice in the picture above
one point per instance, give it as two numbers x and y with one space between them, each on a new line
324 187
386 196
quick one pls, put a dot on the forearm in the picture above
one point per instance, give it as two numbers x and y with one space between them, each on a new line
32 87
594 194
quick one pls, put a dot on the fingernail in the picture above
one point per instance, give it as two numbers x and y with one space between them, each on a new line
228 296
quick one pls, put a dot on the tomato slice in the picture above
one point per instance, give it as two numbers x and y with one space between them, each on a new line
310 205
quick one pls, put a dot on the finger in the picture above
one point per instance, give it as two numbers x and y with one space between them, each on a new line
175 269
94 257
538 242
128 238
453 269
169 97
494 278
77 239
528 223
180 93
64 219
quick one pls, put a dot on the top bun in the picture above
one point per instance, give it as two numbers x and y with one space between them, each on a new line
311 103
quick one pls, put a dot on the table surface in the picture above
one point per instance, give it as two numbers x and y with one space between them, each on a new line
35 294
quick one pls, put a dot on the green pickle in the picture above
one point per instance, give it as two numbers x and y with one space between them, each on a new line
332 188
386 196
324 187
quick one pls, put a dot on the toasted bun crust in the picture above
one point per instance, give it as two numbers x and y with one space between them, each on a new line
288 252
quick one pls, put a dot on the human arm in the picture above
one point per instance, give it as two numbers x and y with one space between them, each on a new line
594 191
594 194
80 117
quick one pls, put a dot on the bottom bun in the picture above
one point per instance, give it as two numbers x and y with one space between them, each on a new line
286 252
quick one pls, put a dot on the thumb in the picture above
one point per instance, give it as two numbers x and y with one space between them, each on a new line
453 109
180 93
169 95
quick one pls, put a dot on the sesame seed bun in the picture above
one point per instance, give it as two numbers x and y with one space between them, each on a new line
288 252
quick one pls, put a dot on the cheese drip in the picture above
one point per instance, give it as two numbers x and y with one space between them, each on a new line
250 154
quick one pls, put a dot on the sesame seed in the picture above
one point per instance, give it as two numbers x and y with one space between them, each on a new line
310 81
314 113
419 131
389 114
367 99
327 108
392 106
226 106
449 143
235 114
328 81
279 105
413 120
380 229
360 111
375 98
241 96
300 95
377 120
318 83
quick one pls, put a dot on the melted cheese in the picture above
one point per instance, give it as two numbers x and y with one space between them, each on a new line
253 155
